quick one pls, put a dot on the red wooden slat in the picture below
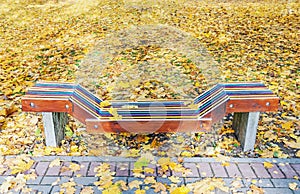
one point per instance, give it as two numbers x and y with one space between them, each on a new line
47 105
147 126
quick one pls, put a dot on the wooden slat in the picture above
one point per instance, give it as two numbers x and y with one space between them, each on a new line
252 105
147 126
82 114
47 105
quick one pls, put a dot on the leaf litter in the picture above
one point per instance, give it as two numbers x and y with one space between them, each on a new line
264 49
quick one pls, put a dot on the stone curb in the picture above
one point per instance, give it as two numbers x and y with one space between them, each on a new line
194 159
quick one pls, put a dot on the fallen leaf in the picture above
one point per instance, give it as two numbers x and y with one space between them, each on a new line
159 187
268 165
74 167
135 184
174 179
293 186
256 189
55 162
139 191
181 190
150 180
87 190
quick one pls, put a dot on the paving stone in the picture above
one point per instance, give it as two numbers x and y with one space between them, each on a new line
246 170
193 171
258 182
260 170
296 167
233 170
218 191
120 179
34 165
278 190
150 191
168 181
218 170
97 191
122 169
130 179
241 190
112 166
86 181
191 180
284 182
35 181
93 165
48 180
83 169
55 189
68 172
287 170
193 168
40 188
2 179
53 171
205 170
228 181
41 168
275 172
7 172
78 189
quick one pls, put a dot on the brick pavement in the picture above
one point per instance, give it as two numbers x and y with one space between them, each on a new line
247 171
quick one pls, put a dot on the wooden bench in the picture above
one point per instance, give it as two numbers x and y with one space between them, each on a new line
56 100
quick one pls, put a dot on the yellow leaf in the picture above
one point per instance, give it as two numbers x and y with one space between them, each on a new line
298 154
268 165
74 167
174 179
287 125
293 186
159 187
181 190
163 161
135 184
292 144
256 189
225 164
149 180
186 154
87 190
139 191
122 185
104 103
55 162
149 170
17 89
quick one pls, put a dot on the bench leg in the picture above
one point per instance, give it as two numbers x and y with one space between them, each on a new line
245 126
54 127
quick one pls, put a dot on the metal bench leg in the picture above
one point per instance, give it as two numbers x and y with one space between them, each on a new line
54 127
245 126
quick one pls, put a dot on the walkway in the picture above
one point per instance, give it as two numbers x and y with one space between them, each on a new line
238 174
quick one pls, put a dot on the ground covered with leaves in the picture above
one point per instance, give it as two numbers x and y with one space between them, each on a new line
45 40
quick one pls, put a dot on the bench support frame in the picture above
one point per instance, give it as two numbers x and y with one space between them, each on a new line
245 125
54 127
